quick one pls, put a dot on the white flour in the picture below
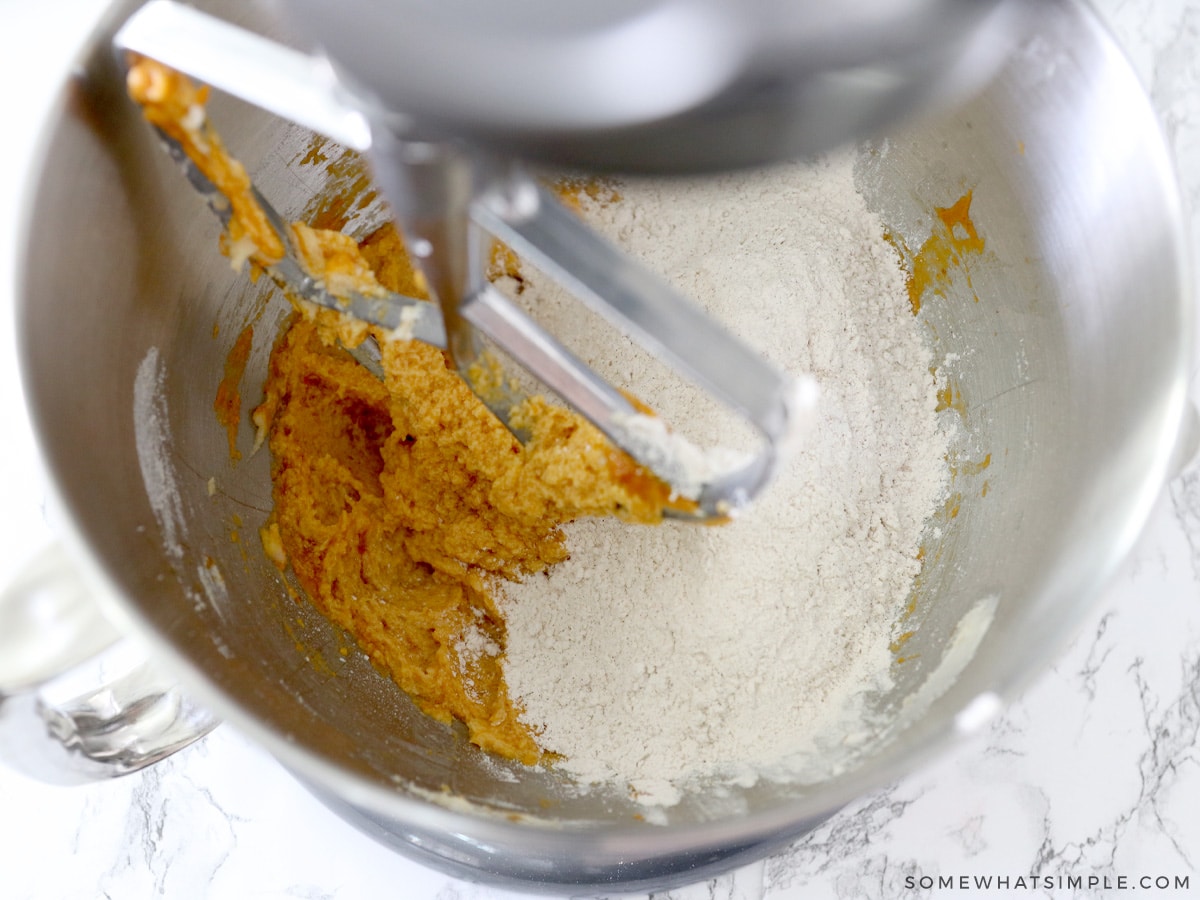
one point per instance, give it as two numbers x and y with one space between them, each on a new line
660 654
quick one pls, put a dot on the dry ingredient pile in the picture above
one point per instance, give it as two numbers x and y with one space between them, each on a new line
656 654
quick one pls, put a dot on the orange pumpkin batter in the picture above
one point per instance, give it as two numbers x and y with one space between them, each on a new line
399 502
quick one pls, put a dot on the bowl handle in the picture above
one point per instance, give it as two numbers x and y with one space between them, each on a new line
79 700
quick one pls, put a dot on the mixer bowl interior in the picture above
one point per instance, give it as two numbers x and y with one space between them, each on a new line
1064 344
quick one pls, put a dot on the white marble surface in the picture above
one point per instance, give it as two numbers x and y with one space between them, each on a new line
1094 772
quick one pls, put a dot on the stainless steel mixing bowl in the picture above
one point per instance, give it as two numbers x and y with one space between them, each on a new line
1067 345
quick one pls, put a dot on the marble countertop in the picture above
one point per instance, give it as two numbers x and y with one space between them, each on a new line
1093 773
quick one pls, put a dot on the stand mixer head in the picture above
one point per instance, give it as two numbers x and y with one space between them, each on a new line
657 85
